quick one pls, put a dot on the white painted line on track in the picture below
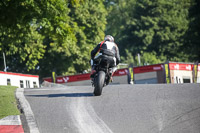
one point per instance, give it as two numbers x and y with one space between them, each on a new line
27 111
85 118
11 120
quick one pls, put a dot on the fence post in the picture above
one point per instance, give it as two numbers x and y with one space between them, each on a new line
195 72
167 72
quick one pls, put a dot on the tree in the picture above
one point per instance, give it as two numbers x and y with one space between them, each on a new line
39 36
146 26
128 58
120 16
23 25
87 20
192 37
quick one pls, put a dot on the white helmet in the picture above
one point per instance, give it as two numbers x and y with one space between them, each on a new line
109 38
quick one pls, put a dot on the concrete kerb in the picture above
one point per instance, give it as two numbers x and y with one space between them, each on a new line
27 111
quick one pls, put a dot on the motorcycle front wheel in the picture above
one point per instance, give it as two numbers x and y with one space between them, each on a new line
99 82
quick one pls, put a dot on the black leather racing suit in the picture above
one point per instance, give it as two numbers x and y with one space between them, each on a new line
107 48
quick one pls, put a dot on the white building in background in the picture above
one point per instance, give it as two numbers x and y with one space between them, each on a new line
19 80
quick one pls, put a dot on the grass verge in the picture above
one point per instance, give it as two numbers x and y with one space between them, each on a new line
8 103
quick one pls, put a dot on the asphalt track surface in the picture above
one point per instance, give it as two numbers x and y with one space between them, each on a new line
173 108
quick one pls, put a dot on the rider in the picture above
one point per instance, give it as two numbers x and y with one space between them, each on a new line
107 47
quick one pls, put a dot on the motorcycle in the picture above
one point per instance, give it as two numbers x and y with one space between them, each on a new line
102 75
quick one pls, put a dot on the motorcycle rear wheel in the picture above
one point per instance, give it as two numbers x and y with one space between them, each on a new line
99 83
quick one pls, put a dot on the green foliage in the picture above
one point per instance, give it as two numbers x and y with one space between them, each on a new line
192 37
162 26
128 58
39 36
149 58
90 21
24 25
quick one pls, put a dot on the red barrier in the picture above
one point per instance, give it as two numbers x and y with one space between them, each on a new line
123 72
182 66
178 66
81 77
71 78
150 68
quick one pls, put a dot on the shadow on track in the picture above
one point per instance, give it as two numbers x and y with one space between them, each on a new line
64 95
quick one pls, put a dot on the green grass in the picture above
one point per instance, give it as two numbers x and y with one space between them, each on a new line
8 104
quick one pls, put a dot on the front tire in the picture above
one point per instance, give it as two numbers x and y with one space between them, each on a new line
99 82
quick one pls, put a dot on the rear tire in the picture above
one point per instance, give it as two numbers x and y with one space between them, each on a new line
99 82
